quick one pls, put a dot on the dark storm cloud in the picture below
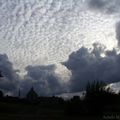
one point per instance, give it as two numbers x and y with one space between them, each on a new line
10 78
98 4
105 6
86 65
43 79
90 66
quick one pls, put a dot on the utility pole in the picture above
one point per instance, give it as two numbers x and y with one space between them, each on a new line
19 94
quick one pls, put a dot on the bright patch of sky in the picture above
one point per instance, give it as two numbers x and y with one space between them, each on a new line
47 31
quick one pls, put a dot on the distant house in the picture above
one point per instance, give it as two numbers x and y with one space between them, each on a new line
32 95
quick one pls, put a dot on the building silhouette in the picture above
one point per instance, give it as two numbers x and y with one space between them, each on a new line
32 95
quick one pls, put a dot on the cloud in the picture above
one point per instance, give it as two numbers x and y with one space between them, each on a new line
86 65
43 79
46 31
90 65
97 4
108 7
10 79
118 32
105 6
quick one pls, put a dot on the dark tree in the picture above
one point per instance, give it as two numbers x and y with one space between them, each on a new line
95 88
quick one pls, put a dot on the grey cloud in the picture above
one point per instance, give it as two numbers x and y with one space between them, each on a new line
89 66
84 64
98 4
10 79
105 6
118 32
43 78
37 72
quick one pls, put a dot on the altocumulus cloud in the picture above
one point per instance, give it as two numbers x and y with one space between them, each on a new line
46 31
108 7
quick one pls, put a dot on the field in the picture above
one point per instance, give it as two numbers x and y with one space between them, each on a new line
15 111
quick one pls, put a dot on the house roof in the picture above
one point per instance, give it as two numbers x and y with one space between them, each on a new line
32 92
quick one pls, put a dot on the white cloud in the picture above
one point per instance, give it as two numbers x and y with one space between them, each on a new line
46 31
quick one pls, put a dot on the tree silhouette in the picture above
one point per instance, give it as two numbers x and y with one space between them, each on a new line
95 88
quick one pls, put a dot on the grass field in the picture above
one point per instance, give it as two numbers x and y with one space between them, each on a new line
15 111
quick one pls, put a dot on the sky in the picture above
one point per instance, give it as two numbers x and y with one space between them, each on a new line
52 44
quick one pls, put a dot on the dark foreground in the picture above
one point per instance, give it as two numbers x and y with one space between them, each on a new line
98 104
69 110
36 112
